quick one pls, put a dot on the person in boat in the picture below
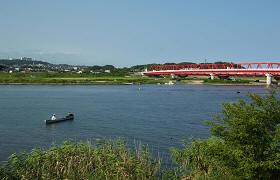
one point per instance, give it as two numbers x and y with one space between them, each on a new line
53 117
69 114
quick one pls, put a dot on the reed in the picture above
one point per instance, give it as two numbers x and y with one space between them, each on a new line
106 160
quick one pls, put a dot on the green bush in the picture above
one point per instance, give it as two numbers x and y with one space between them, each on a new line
245 143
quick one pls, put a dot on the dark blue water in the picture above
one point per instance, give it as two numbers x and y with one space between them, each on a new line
160 116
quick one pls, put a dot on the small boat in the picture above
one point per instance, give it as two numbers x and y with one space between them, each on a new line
69 117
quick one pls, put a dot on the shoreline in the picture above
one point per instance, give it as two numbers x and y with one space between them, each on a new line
237 84
128 84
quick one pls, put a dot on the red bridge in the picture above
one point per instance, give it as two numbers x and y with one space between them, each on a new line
268 69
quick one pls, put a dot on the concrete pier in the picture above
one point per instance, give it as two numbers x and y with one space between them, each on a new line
268 79
212 76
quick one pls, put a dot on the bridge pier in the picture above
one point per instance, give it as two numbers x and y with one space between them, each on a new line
268 79
212 76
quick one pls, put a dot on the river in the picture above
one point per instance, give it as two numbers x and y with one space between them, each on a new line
158 115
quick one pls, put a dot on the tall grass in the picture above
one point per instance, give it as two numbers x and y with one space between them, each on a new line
107 160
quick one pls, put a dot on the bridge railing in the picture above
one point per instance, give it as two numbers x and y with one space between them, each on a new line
260 65
250 65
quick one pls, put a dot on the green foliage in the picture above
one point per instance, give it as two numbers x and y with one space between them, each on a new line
187 62
18 62
245 143
204 159
108 160
223 62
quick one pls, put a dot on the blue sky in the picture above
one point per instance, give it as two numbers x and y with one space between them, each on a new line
130 32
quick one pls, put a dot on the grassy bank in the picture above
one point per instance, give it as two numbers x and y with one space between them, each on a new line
108 160
74 78
104 79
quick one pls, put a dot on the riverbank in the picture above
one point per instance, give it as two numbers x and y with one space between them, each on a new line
127 84
89 79
72 79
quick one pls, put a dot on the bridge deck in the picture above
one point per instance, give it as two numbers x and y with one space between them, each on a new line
229 72
241 69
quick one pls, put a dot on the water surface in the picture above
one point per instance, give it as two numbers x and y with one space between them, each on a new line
160 116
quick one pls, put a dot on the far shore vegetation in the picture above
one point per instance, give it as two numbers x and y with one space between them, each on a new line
244 144
111 79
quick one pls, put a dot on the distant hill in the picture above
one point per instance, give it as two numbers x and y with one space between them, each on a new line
19 62
26 62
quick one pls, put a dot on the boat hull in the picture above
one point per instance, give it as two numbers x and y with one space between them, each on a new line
49 121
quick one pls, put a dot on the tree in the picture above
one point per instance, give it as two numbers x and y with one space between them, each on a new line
245 143
3 67
223 62
186 62
108 67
